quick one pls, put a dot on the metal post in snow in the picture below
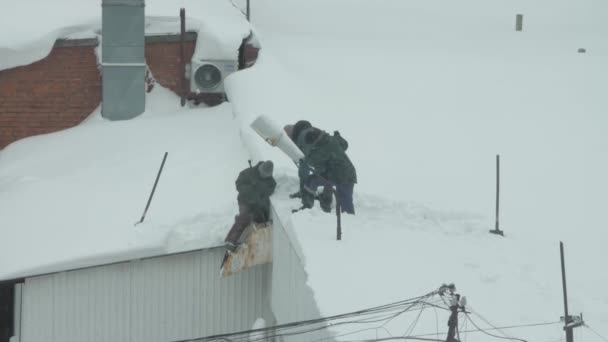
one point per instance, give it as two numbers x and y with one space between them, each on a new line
338 218
248 11
160 170
496 229
182 62
519 22
567 320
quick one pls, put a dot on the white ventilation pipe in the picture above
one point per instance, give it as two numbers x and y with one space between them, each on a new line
274 135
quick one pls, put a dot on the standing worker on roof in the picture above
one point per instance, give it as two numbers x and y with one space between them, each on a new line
254 184
325 164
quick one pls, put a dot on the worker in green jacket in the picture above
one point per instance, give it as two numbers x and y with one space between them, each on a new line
254 184
325 164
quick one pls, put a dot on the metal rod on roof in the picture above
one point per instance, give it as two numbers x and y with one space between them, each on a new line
497 230
248 11
182 62
153 189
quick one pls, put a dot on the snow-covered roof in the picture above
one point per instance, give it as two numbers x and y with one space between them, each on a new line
31 27
70 199
427 93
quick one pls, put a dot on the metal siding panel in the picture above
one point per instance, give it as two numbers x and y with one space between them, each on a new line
90 304
197 303
160 299
60 303
37 314
17 310
291 298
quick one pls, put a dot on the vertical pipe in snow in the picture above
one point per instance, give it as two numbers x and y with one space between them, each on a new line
519 22
123 63
182 62
338 218
497 190
496 229
248 11
569 332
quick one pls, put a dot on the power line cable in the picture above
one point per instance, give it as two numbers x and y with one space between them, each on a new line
410 329
596 333
396 338
290 329
487 333
497 328
436 321
488 323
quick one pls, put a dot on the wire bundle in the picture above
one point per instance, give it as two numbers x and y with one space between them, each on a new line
384 313
379 315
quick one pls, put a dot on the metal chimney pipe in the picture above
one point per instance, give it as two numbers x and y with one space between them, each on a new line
123 59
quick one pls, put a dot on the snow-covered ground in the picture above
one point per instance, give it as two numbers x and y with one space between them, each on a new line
427 93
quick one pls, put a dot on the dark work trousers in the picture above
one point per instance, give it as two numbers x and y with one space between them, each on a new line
344 191
241 221
247 215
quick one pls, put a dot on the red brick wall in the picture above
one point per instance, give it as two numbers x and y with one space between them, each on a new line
163 60
54 93
62 89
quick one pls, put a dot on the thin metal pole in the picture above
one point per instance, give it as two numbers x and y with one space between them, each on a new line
338 218
248 11
519 22
182 62
497 189
569 333
160 170
496 223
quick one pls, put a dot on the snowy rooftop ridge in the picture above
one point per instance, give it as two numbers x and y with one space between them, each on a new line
220 26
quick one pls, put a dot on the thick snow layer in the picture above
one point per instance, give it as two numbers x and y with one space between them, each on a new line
221 27
427 93
70 199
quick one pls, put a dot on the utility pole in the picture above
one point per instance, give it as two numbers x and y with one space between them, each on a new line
496 229
570 322
457 304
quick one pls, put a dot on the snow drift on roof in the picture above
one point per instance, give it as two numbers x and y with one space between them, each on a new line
30 27
70 199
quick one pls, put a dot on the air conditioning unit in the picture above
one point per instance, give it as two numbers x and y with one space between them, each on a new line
207 76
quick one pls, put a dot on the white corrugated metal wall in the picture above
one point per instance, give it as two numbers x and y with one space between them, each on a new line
291 298
160 299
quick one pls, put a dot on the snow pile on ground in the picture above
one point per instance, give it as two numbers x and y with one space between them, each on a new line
31 27
427 93
70 199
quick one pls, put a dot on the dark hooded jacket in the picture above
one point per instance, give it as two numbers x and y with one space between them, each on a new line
326 154
254 190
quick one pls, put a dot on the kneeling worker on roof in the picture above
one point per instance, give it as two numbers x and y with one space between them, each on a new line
324 156
254 184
